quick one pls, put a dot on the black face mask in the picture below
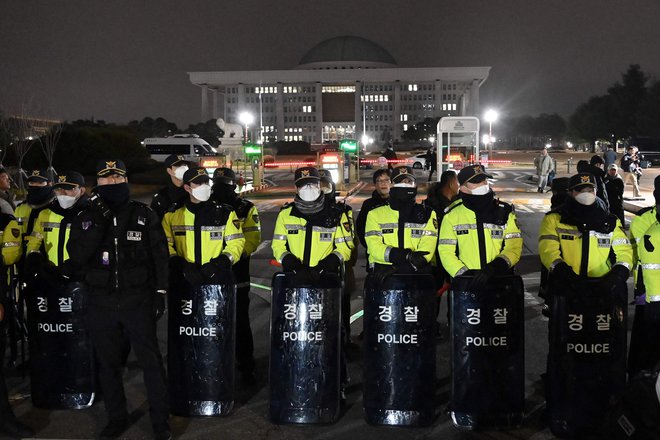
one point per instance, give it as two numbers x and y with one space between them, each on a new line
39 195
114 195
401 197
223 193
481 204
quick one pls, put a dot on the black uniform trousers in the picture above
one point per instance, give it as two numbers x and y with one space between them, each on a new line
6 412
244 341
107 327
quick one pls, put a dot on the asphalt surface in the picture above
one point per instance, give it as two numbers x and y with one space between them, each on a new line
249 419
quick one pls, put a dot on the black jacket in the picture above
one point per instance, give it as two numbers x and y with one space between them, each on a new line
124 256
168 199
361 221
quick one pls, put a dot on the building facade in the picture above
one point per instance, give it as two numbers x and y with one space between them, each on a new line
344 87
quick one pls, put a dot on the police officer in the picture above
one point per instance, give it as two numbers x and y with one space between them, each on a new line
563 230
478 232
39 196
640 357
173 196
380 196
311 236
401 236
11 245
52 227
224 191
120 246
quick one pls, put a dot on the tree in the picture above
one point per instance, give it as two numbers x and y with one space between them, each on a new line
209 131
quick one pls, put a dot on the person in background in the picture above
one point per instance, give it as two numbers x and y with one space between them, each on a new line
390 155
379 197
173 196
614 186
544 165
7 205
609 156
629 166
596 167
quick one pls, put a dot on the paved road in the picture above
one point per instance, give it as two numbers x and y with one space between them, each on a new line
250 417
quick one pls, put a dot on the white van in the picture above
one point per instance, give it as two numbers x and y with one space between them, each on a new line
189 145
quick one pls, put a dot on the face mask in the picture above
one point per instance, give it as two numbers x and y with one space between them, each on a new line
309 193
402 195
586 198
202 192
180 171
115 194
38 195
480 190
66 202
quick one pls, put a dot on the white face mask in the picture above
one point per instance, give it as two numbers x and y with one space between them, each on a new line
180 171
586 198
66 202
480 190
309 193
202 192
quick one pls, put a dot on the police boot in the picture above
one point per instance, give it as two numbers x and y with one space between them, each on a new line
15 429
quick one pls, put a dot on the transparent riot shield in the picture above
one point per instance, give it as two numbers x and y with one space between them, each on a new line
587 354
399 357
201 346
62 370
487 340
305 350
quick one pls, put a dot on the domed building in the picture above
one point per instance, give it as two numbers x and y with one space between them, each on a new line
343 87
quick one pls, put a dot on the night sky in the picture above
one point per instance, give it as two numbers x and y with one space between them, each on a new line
119 60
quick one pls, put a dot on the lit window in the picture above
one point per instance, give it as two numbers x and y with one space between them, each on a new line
405 127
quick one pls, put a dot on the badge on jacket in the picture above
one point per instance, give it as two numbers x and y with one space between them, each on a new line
134 235
141 221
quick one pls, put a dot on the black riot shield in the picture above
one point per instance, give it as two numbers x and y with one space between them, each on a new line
399 359
305 350
587 355
201 346
488 353
62 367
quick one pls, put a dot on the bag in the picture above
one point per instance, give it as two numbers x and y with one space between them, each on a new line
551 177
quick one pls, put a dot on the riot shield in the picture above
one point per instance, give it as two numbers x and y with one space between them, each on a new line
488 357
305 350
62 370
201 346
587 354
399 360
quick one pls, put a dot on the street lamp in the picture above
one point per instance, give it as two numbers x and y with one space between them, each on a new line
490 116
246 119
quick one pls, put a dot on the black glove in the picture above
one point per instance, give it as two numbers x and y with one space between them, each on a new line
67 269
563 274
159 304
381 275
399 256
483 276
192 274
222 261
329 264
291 263
33 263
619 274
417 260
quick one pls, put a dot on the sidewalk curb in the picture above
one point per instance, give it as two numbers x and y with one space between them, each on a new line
258 188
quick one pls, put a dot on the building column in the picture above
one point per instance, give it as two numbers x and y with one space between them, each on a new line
240 105
437 112
472 107
359 105
319 114
397 132
279 111
215 95
205 103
